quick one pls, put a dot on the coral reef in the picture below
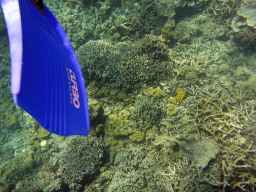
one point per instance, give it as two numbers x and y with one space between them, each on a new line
95 111
137 136
177 118
216 113
224 116
67 12
20 166
134 171
113 19
117 123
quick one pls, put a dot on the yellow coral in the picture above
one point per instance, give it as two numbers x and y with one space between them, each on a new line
117 124
172 100
121 96
170 107
137 136
112 141
150 91
180 94
173 112
41 133
103 92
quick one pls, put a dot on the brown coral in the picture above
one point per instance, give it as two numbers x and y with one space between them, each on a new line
247 38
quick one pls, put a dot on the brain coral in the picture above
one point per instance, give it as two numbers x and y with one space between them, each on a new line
80 158
125 65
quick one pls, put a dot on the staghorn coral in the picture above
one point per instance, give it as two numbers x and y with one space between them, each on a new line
223 114
214 113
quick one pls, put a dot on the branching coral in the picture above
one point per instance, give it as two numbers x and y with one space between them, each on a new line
215 112
222 113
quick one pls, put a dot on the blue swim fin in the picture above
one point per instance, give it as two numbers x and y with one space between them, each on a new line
46 80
